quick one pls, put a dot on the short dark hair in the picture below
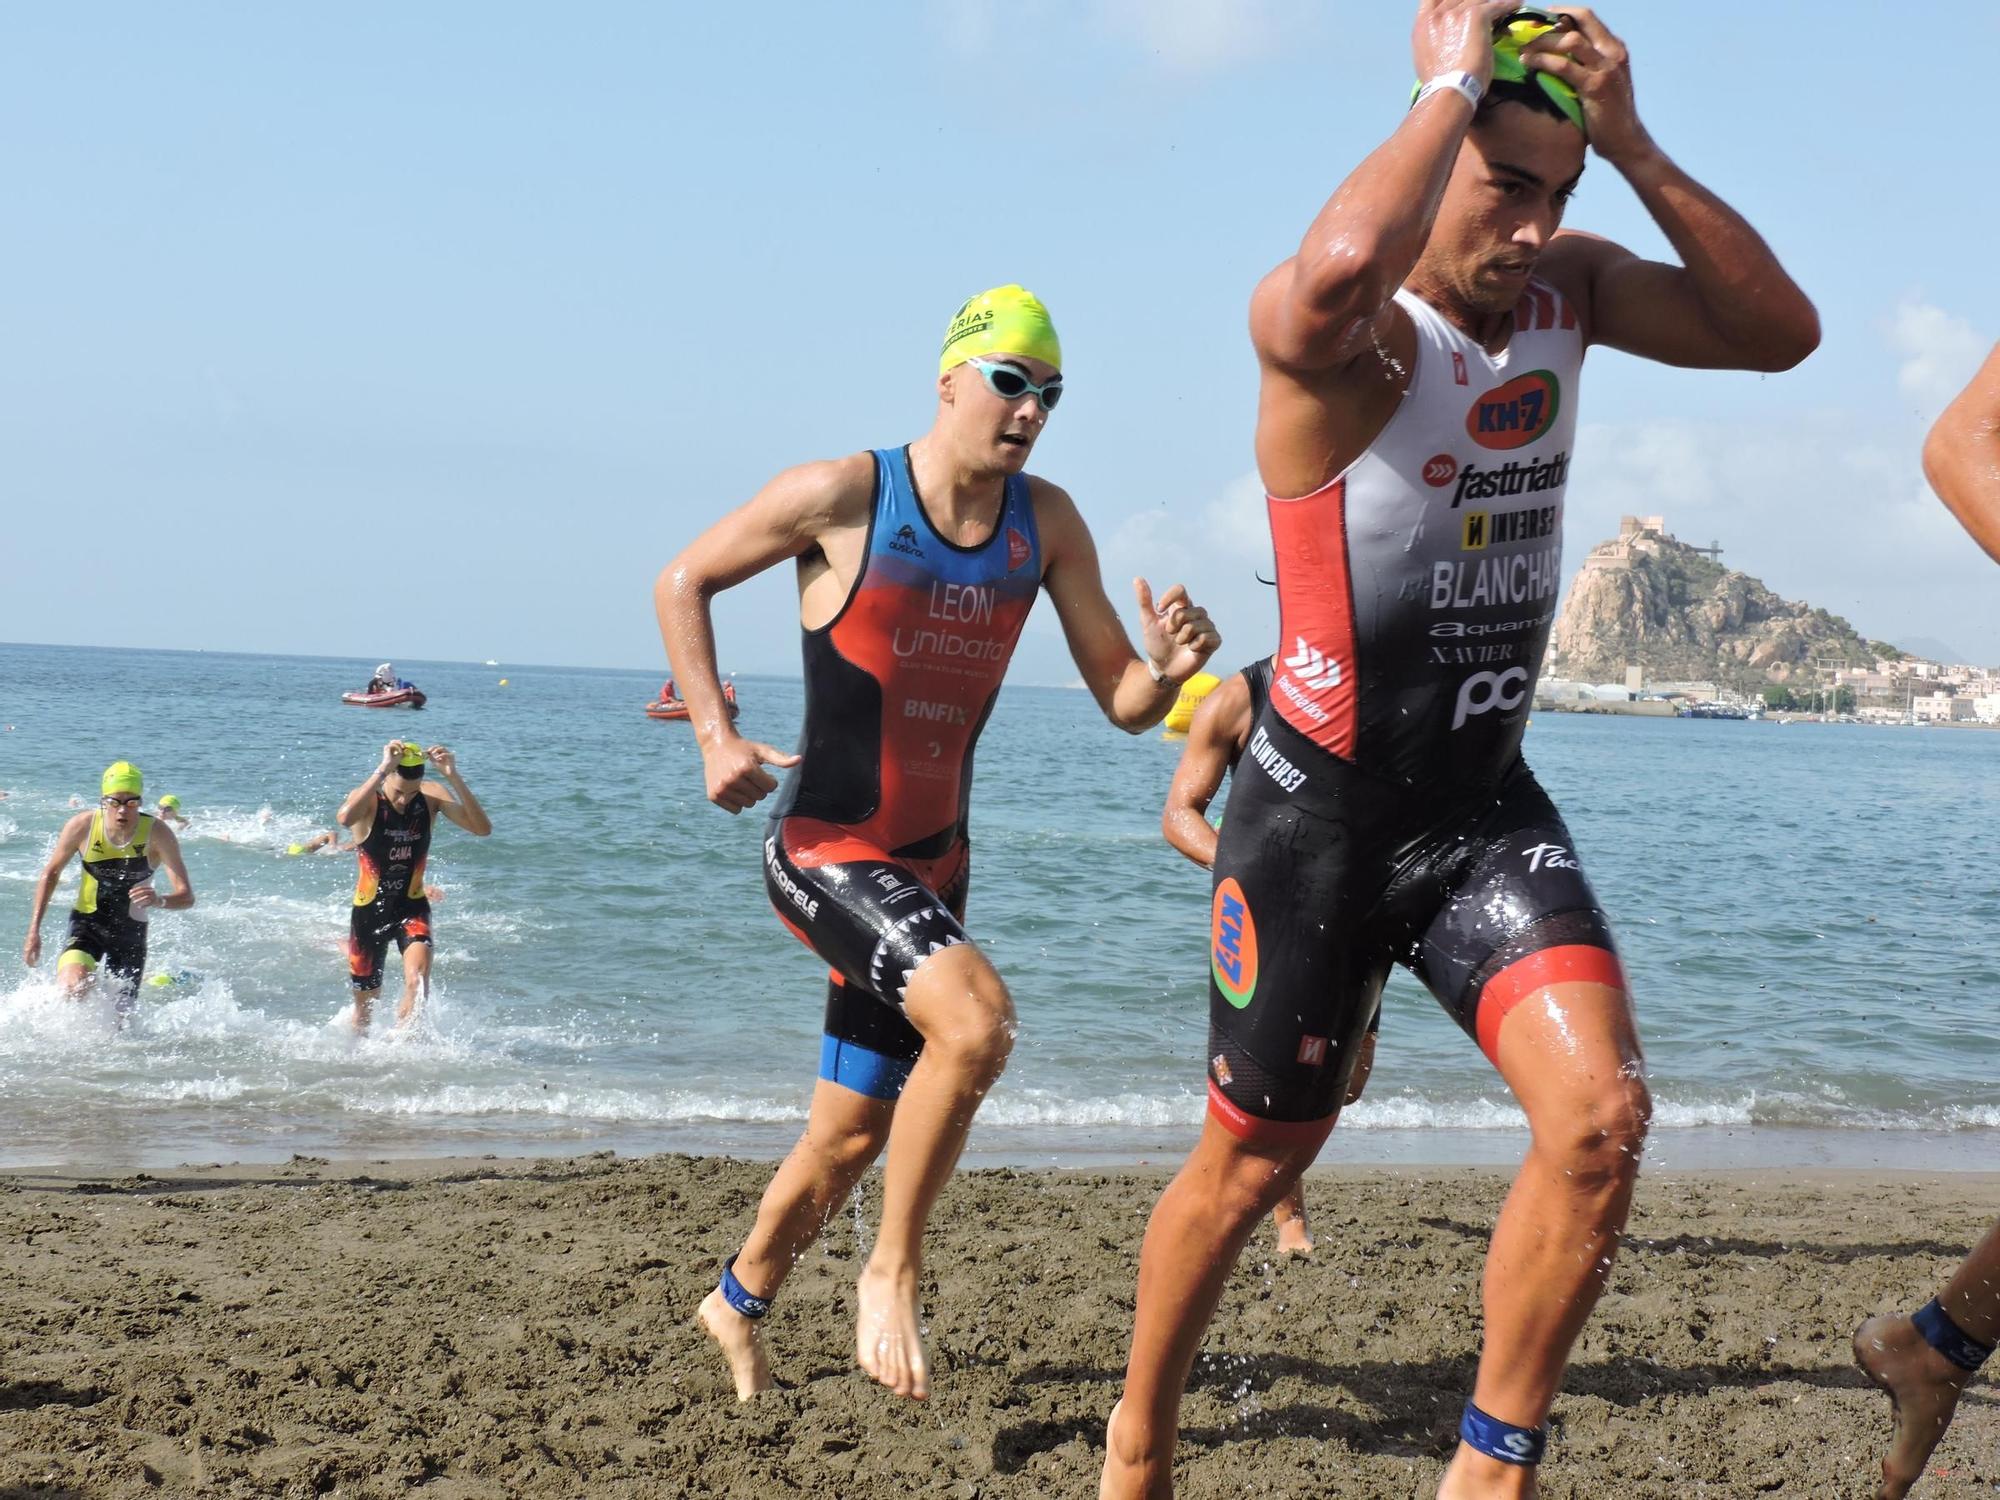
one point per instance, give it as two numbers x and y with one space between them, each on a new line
1527 92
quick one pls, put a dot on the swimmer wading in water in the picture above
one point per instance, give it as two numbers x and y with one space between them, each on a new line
917 567
120 848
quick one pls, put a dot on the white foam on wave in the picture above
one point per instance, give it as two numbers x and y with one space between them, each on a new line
560 1101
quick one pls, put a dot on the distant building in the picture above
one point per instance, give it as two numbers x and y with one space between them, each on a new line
1941 708
1986 709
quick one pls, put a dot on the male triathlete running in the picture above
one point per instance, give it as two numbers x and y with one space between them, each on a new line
1925 1360
120 847
917 567
1419 359
1222 727
390 817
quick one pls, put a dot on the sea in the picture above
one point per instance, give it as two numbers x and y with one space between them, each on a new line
1810 915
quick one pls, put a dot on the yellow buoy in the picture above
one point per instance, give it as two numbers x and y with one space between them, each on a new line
503 682
1193 691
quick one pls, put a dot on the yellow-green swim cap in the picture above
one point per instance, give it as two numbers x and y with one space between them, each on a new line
1007 319
121 778
171 801
413 754
1511 35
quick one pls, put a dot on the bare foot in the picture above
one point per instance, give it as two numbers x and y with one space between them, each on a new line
742 1344
1473 1476
888 1331
1923 1388
1295 1237
1130 1474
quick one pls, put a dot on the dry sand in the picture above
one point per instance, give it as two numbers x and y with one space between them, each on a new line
521 1328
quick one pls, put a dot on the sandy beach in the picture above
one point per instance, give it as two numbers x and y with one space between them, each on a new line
521 1328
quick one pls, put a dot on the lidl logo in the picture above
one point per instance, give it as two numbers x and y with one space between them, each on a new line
1232 951
1515 414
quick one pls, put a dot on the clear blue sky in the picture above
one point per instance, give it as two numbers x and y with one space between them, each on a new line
435 330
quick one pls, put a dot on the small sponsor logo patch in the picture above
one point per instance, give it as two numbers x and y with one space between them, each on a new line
1018 550
1312 1051
1515 414
1232 954
1440 470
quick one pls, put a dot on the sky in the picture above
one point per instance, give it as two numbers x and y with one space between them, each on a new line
435 331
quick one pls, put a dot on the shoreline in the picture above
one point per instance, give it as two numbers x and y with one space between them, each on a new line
479 1327
1968 1152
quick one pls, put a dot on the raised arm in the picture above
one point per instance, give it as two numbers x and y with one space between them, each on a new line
1729 304
357 809
1135 692
1962 456
461 807
68 842
785 519
1322 307
1214 739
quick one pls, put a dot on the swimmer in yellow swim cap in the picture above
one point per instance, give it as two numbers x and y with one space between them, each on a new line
390 816
120 848
170 812
917 567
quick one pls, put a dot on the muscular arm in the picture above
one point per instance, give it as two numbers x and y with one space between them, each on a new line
1322 307
461 807
357 811
1728 305
68 842
783 520
165 850
795 513
1214 738
1117 676
1962 456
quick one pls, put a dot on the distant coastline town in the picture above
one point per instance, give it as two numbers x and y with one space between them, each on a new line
1656 627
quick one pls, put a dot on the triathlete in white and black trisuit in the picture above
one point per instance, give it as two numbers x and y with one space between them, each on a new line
1394 820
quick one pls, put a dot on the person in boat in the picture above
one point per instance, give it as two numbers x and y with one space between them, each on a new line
384 680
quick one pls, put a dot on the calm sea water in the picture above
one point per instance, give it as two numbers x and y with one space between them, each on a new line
1811 916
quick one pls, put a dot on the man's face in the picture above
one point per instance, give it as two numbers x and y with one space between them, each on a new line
996 412
1503 204
121 815
405 783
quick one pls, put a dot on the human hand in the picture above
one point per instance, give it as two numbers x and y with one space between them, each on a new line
31 951
1456 35
734 770
443 759
1586 56
1178 634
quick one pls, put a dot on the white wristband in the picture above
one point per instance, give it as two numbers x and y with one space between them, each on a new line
1159 673
1461 83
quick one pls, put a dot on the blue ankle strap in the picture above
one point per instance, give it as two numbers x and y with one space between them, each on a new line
741 1300
1502 1440
1945 1336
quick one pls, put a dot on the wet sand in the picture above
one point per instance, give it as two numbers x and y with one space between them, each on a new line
521 1328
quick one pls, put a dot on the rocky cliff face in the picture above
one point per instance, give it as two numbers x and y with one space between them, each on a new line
1650 600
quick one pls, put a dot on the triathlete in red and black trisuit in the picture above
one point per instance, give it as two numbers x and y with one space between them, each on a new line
866 857
1394 820
389 899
